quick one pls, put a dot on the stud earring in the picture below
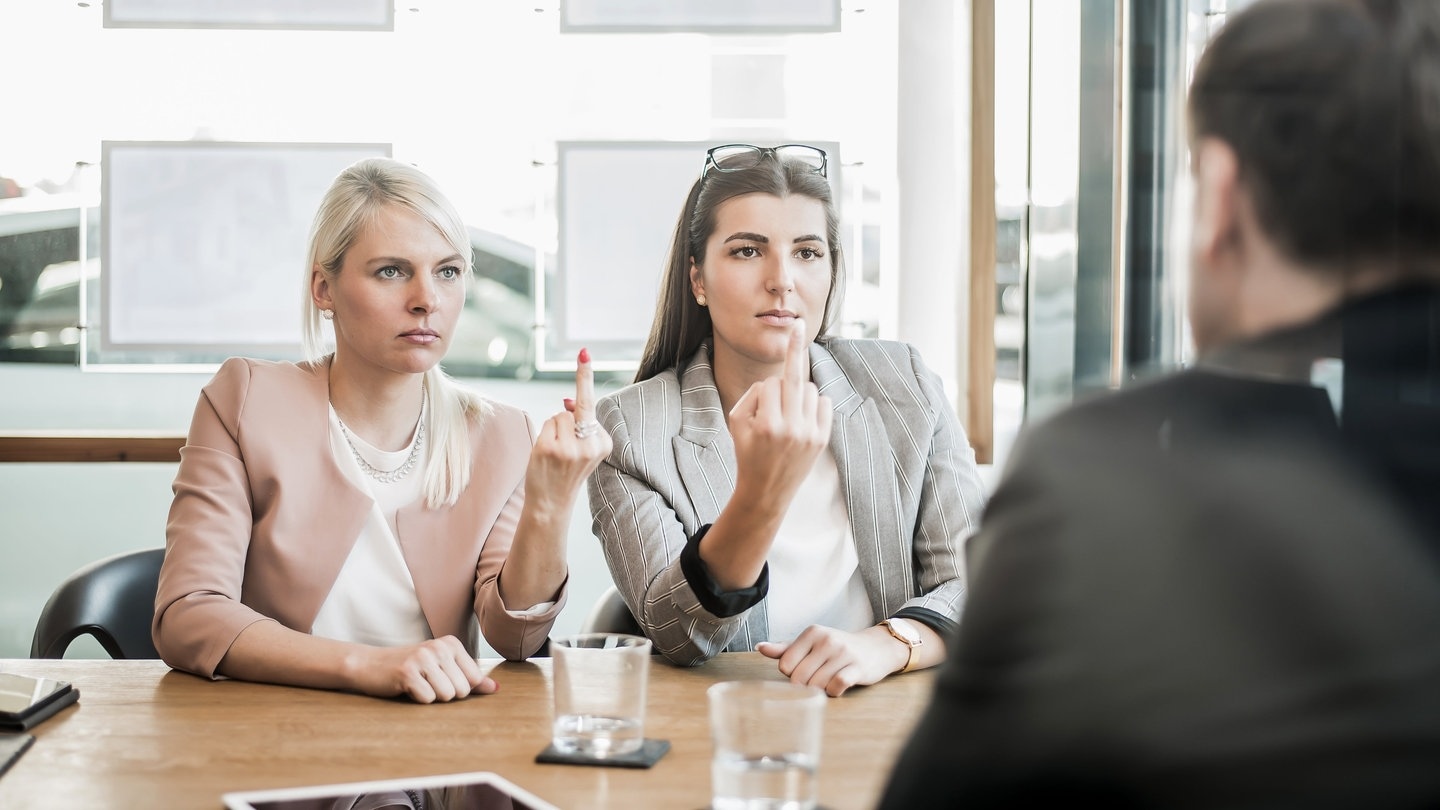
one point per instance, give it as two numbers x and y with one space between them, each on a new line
700 299
327 314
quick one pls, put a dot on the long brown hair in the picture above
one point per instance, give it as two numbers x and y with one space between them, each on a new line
681 324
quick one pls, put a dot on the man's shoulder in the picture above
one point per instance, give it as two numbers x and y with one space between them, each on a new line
1177 437
1193 403
1141 407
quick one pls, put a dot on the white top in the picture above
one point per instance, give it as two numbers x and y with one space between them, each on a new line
373 600
814 570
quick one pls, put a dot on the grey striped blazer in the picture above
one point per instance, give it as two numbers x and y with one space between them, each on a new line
908 474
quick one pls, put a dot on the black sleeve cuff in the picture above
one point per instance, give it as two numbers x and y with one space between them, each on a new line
940 623
721 603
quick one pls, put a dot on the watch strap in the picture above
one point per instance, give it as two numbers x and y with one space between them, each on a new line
914 651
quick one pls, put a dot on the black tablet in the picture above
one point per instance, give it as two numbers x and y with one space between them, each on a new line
471 791
25 701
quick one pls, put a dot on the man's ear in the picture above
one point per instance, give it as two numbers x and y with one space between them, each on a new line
320 288
697 281
1216 226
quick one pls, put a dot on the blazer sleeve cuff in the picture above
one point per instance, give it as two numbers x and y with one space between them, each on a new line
721 603
940 623
518 634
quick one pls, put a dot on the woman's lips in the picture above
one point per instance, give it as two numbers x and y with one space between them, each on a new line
777 317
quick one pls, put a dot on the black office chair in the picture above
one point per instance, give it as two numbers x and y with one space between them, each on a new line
112 600
610 615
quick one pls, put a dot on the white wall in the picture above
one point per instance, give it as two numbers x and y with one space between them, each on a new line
54 518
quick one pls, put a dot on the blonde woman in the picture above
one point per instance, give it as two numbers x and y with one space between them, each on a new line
349 522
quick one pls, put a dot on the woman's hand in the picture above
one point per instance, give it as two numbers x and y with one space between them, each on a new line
835 660
780 425
433 671
570 446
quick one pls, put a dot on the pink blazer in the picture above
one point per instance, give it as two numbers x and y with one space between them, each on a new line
263 519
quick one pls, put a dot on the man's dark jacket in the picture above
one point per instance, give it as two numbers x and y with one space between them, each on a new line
1221 589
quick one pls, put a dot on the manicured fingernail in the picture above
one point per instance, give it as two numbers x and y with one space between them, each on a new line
569 404
584 355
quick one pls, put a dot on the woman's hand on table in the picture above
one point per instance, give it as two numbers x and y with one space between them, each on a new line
434 671
835 660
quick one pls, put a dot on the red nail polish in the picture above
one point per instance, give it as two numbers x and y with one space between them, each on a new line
584 355
569 403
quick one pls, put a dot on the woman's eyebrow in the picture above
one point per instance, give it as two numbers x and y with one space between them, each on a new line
747 237
400 260
810 237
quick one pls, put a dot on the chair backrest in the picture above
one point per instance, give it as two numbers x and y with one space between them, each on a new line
610 615
111 599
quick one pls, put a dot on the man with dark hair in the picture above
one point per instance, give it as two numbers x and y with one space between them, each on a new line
1222 589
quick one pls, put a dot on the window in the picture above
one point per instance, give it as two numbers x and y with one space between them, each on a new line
476 94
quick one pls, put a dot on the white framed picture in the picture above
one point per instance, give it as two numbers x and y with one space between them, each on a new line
203 242
314 15
700 16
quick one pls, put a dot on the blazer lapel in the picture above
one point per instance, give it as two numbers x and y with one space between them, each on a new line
339 510
704 449
871 490
436 542
705 459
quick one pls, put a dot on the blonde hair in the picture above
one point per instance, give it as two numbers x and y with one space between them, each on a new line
351 203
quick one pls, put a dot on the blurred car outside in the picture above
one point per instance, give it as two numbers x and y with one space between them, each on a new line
40 292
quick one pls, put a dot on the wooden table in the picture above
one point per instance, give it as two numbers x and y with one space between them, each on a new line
90 445
147 737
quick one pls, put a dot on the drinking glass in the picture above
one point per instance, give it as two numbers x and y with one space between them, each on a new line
766 736
599 693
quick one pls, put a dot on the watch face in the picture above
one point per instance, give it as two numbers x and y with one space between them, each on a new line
904 629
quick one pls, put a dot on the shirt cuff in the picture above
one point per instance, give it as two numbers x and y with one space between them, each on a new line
537 610
721 603
943 625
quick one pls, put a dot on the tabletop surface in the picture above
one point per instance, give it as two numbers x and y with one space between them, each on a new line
145 736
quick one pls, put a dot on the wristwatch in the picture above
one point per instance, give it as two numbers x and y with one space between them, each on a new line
906 631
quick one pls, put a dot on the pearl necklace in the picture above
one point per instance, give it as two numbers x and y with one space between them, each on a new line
399 473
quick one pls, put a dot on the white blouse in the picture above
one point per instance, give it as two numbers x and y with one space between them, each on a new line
814 570
373 600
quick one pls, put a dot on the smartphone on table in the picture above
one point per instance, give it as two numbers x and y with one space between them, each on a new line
26 701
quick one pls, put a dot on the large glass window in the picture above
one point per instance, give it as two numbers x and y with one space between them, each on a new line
476 94
1093 190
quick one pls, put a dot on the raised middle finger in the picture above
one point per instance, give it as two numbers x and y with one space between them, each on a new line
584 388
797 356
797 371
